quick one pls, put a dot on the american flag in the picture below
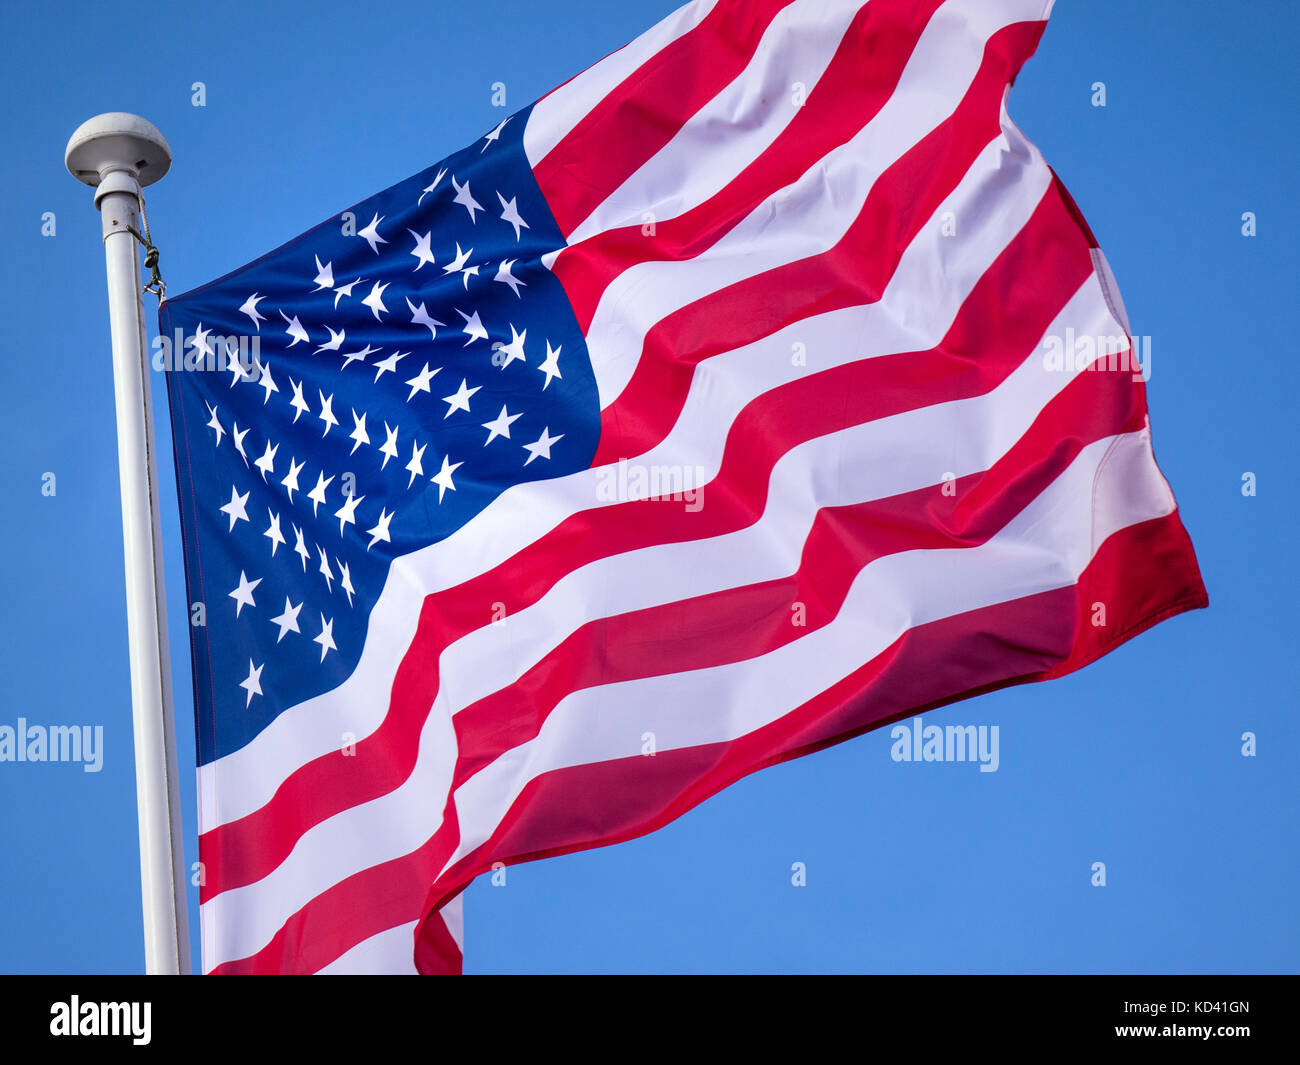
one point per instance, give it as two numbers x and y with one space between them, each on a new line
711 410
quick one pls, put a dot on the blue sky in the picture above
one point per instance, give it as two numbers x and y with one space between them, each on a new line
1136 761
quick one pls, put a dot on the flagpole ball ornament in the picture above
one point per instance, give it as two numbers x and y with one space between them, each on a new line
117 142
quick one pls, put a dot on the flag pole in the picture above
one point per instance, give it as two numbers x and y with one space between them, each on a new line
118 154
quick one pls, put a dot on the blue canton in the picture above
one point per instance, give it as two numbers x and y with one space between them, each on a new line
356 395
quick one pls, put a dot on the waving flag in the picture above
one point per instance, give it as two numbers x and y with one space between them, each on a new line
757 387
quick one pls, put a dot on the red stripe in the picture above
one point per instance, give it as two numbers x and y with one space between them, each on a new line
641 115
745 622
438 952
1001 321
348 913
853 272
1030 639
846 97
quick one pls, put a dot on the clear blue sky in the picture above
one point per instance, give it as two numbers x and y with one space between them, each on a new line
1136 761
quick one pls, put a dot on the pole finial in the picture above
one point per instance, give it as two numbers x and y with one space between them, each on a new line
117 141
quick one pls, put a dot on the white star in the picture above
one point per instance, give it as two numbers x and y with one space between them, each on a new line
443 477
389 363
512 351
273 531
335 341
542 446
345 579
433 186
266 463
511 214
414 465
300 547
460 401
235 508
550 365
215 423
507 278
457 265
493 135
500 425
358 433
239 370
326 637
243 595
295 330
253 683
371 234
349 357
420 382
473 327
345 290
200 342
389 448
325 570
375 301
465 198
291 480
459 261
324 275
317 494
380 531
347 514
326 412
288 621
250 308
249 371
298 403
267 382
422 250
419 316
239 440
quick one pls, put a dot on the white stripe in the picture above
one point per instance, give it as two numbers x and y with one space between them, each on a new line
1044 548
392 952
385 954
805 479
560 111
736 126
811 215
994 200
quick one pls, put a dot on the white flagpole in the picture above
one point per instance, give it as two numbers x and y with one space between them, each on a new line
119 154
